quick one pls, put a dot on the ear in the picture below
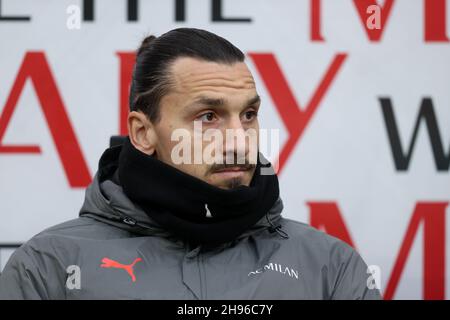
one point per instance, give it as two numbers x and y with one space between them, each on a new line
142 132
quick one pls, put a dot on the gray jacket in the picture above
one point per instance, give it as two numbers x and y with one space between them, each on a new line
114 250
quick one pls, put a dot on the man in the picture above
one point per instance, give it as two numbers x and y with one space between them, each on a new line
158 224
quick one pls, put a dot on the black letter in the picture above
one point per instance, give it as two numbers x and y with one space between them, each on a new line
88 10
11 18
180 10
426 112
217 13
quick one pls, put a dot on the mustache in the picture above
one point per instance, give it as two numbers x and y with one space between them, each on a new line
223 166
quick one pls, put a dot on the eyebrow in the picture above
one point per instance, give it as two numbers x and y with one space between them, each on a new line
219 102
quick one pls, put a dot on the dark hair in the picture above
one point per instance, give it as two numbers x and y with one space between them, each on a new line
151 79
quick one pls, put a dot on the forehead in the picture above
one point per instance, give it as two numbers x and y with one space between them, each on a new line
193 77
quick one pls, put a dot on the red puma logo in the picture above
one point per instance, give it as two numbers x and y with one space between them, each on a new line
108 263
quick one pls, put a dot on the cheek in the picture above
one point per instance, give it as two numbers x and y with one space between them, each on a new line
164 144
202 171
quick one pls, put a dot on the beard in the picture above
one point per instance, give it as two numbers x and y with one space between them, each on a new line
234 183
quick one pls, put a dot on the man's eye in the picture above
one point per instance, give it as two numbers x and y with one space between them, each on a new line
207 117
250 115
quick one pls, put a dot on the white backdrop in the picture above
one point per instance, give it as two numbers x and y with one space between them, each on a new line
306 56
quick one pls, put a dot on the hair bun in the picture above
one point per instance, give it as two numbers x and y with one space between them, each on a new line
146 43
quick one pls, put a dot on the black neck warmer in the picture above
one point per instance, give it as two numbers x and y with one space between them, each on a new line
179 201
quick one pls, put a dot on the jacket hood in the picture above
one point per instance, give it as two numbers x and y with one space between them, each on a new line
106 201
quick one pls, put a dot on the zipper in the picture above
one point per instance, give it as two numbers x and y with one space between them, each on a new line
203 291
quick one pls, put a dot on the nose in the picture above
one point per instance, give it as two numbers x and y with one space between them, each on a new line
235 141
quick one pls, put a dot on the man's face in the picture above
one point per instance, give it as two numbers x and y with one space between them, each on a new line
208 95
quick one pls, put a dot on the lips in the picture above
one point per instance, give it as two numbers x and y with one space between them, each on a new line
232 169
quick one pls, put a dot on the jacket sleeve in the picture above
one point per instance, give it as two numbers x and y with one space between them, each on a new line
354 281
21 278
